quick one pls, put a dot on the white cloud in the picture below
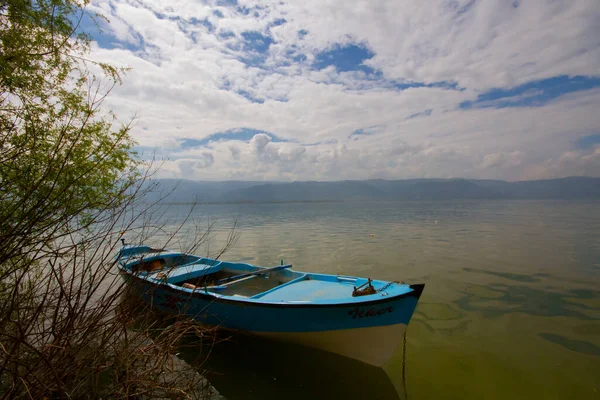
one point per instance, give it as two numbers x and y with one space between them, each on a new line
259 142
235 152
189 168
187 82
570 163
502 160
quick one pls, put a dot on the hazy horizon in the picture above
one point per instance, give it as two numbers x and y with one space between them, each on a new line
368 179
187 191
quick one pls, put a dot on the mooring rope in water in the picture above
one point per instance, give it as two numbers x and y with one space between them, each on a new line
404 367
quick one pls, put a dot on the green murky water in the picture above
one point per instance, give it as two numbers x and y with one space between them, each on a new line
511 307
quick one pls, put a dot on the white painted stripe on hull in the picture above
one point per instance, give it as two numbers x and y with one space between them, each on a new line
373 345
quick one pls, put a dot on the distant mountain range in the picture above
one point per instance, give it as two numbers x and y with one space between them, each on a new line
186 191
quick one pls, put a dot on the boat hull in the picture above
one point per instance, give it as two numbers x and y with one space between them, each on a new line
369 331
372 345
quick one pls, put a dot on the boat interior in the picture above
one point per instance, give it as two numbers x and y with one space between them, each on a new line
193 273
224 278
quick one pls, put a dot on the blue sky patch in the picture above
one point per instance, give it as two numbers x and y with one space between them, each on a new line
218 13
532 94
203 22
444 85
441 84
375 79
364 131
279 21
255 45
101 33
588 142
425 113
295 56
227 3
226 34
243 10
302 33
245 134
299 58
250 97
256 42
345 58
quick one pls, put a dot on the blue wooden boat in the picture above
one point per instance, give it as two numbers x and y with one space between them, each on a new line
355 317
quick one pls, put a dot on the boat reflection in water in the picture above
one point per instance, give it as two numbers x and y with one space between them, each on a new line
248 367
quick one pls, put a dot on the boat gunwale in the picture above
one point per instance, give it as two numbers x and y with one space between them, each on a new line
416 291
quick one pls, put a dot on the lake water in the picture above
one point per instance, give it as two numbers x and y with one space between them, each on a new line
511 306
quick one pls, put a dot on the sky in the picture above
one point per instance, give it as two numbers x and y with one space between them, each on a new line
334 90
